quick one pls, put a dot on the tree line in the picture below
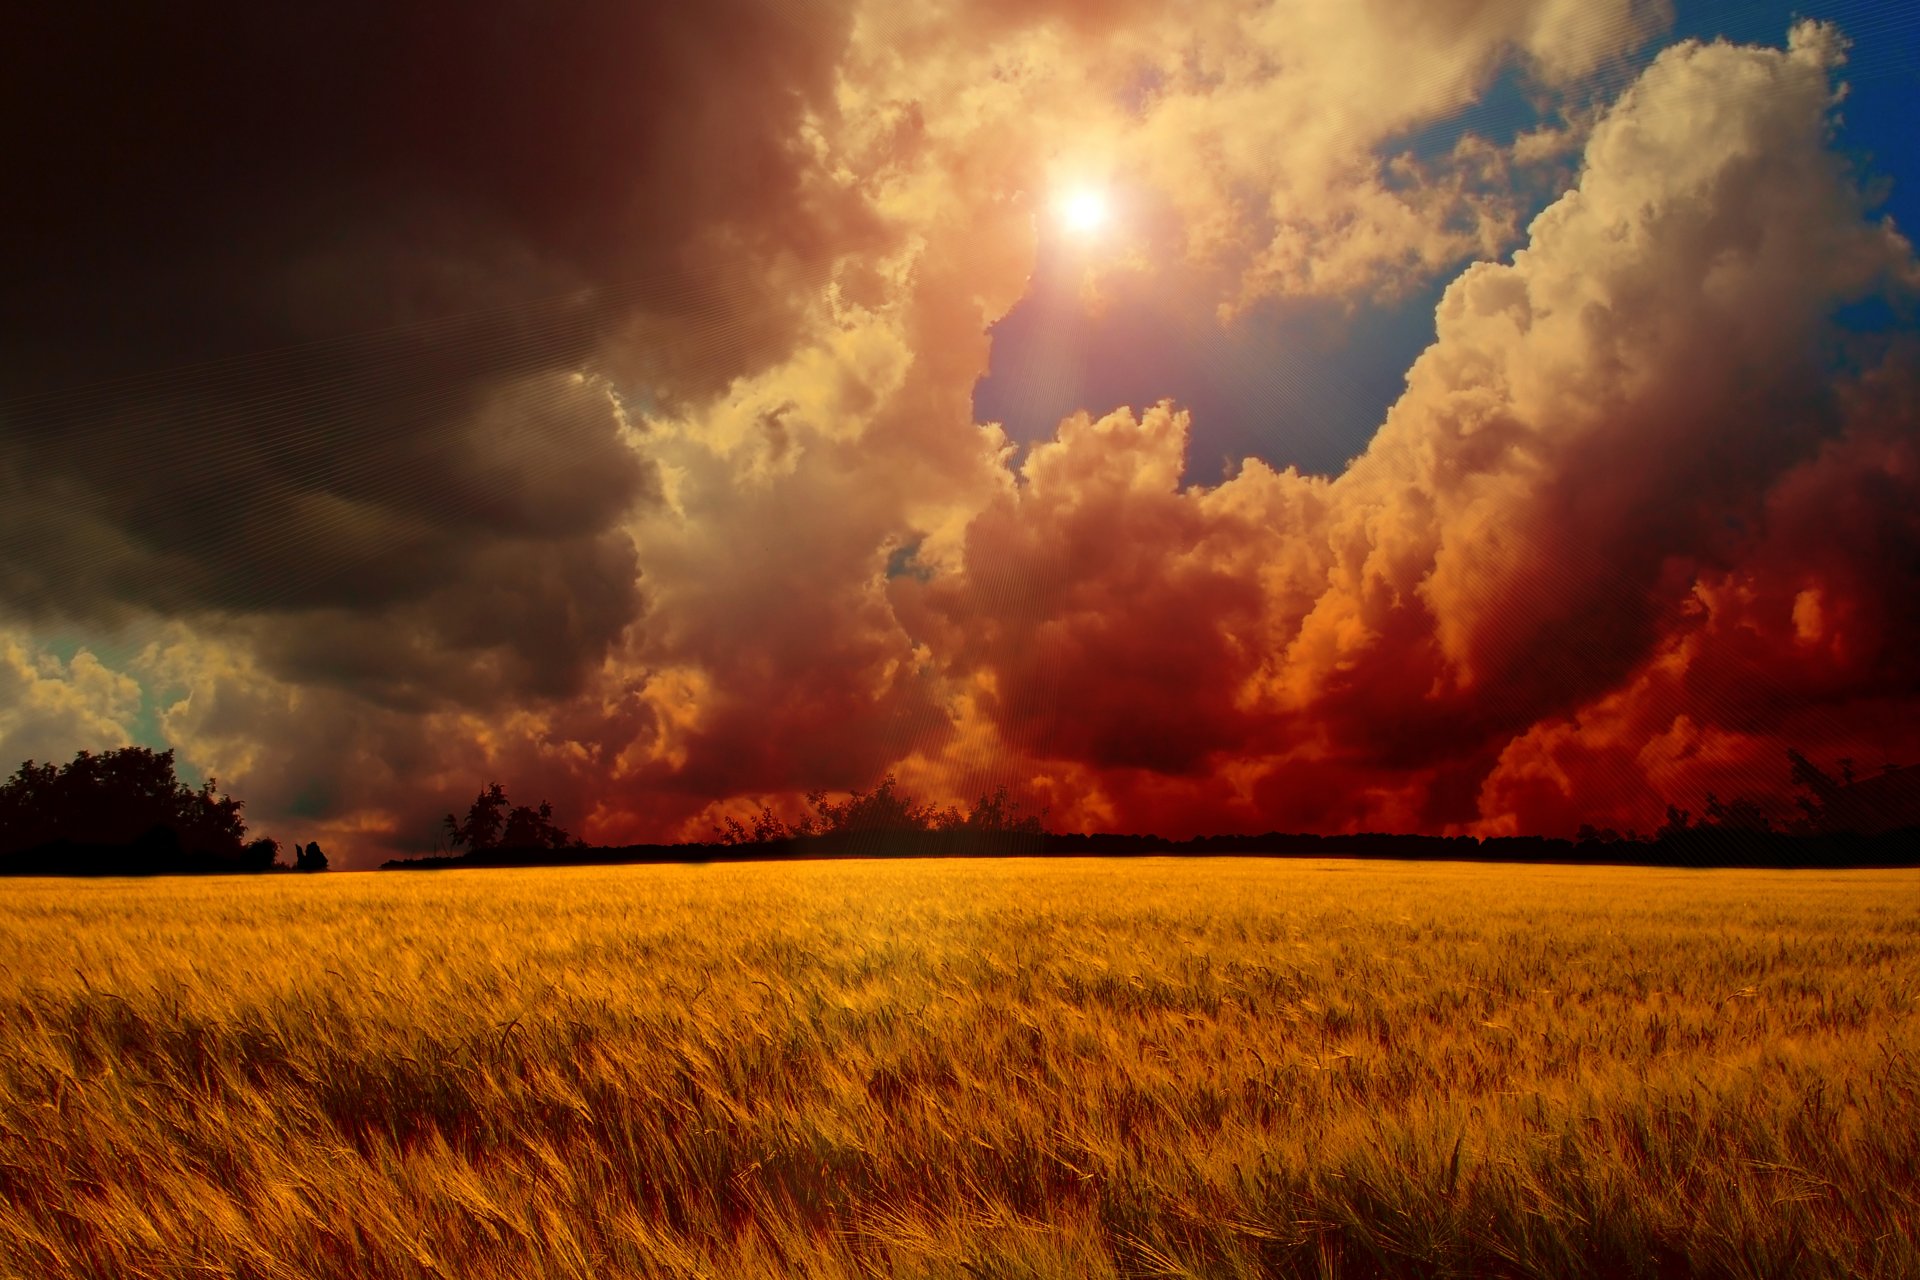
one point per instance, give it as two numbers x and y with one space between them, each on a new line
1843 821
126 812
881 820
882 810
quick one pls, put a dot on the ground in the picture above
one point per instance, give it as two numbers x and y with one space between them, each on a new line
1211 1067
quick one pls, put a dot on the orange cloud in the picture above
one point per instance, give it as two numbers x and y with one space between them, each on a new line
1530 526
733 535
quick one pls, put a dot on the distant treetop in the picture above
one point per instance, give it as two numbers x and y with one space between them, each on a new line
884 810
493 822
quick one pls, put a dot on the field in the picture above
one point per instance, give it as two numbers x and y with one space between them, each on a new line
963 1069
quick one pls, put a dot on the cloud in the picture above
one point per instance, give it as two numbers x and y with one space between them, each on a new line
790 494
607 423
1596 409
327 316
1571 468
1260 146
52 707
1112 617
1804 639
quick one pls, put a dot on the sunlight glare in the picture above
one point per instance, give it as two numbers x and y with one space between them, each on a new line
1084 211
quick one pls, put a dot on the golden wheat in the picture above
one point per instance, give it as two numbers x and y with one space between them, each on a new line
963 1069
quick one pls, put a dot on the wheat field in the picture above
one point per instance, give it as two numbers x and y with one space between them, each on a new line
1020 1068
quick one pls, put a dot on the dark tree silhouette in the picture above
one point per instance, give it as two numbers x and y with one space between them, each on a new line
1811 777
485 817
998 812
883 810
310 858
128 799
1742 813
1886 801
493 822
765 830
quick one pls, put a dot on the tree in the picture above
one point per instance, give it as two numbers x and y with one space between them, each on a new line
121 798
881 809
485 817
998 812
1825 791
494 822
765 829
884 809
310 858
533 828
1742 813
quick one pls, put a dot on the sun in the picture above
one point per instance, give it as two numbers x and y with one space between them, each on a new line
1084 211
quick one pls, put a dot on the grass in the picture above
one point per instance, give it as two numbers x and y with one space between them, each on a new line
963 1069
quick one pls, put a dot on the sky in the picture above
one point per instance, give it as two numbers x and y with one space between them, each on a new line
1483 417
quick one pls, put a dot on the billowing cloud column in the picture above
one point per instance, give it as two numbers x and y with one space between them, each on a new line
1624 410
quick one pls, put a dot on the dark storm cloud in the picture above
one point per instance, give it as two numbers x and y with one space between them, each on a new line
297 297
